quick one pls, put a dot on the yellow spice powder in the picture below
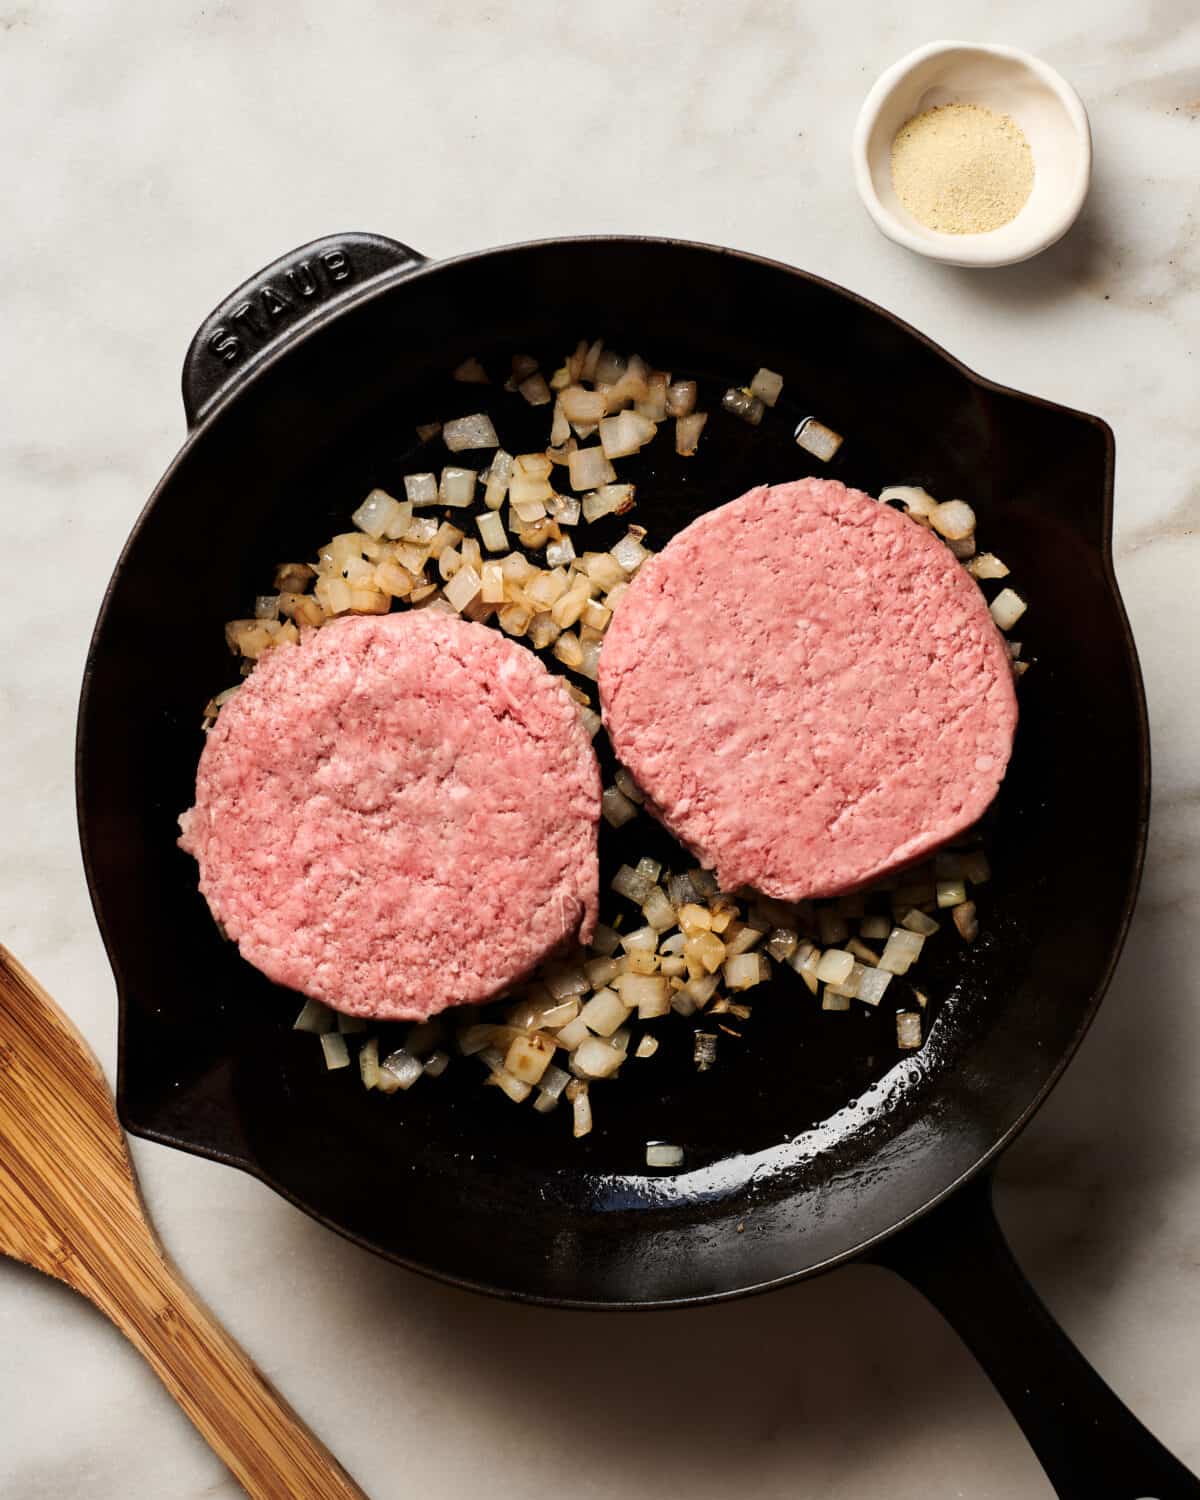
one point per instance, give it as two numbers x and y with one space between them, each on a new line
961 168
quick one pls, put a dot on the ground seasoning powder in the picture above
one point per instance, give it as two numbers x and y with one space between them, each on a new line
962 169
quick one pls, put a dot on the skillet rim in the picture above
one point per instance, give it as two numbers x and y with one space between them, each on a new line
383 285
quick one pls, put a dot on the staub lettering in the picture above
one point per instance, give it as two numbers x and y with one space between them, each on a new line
266 307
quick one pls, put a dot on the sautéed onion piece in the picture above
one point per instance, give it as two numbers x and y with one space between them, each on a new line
510 549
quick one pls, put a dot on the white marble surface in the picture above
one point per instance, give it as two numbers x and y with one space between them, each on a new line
153 154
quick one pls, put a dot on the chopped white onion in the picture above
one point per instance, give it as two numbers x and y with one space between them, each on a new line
647 1047
368 1062
401 1067
631 884
835 966
649 992
902 950
917 921
987 565
462 588
604 1012
616 807
681 398
594 1058
625 433
1007 608
528 1057
951 892
767 385
872 984
742 403
421 489
471 372
582 1107
658 911
535 390
470 432
687 433
457 488
589 468
908 1029
377 514
436 1064
337 1054
954 520
744 970
609 499
660 1154
629 552
815 438
316 1018
916 501
966 921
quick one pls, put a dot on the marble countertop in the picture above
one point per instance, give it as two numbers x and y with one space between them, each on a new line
154 155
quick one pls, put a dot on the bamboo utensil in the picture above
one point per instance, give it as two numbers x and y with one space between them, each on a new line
70 1206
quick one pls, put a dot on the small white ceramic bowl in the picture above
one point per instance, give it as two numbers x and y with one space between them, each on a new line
1003 79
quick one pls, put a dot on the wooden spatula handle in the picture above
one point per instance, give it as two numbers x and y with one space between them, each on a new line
243 1418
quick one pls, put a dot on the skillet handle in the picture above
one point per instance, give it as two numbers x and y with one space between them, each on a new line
1090 1444
272 306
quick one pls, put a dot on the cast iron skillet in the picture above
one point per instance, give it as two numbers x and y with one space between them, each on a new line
809 1144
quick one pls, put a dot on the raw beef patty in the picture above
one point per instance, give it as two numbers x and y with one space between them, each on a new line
398 814
809 689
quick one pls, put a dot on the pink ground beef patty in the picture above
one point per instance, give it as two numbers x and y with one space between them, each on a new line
398 815
809 689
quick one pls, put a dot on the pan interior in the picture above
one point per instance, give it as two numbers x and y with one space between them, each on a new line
812 1135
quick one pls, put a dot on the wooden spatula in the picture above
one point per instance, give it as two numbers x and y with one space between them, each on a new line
69 1206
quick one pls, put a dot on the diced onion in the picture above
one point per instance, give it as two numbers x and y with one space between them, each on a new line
1007 608
377 514
582 1108
908 1029
470 432
471 372
835 966
337 1054
616 807
951 892
916 501
902 950
917 921
604 1012
987 565
647 1047
687 433
742 403
660 1154
594 1058
436 1064
589 468
815 438
316 1018
368 1062
421 489
402 1068
457 488
462 588
658 911
966 921
631 884
609 499
681 398
527 1058
625 433
954 520
745 970
767 385
535 390
872 984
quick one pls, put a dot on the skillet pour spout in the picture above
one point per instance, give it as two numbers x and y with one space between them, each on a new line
303 391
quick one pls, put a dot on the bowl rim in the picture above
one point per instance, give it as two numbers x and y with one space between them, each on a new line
971 250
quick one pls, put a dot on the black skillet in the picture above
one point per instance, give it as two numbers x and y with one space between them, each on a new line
811 1143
